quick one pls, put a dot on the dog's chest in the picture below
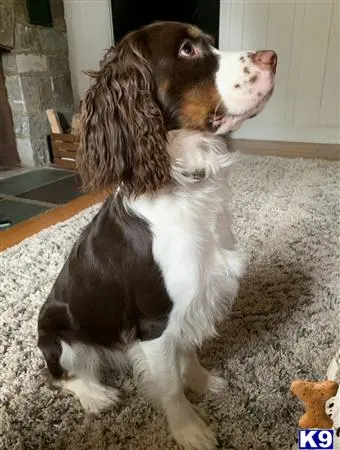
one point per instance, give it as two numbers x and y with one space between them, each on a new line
195 250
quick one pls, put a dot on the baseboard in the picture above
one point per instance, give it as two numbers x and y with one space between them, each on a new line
288 149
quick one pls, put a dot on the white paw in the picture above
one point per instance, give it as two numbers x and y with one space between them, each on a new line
192 433
216 384
94 397
100 400
207 383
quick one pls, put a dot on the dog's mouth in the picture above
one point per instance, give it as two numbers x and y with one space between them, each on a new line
230 121
225 121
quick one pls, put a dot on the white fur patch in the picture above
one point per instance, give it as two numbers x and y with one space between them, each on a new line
241 96
156 366
81 359
193 242
94 397
83 365
190 431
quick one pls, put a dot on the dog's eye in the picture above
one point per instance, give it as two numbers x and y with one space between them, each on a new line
188 50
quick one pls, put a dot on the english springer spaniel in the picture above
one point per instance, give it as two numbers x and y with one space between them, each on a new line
157 268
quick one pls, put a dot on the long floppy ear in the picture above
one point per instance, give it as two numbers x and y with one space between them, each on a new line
122 132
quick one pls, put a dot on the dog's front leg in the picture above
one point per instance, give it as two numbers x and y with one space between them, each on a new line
157 368
197 378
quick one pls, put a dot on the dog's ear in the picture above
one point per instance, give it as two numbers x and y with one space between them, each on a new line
122 131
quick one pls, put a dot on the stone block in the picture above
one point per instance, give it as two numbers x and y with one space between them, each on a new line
39 126
9 63
62 94
46 93
21 125
59 24
58 64
26 152
15 94
52 40
30 87
13 86
57 7
20 9
41 153
31 63
6 25
37 91
26 38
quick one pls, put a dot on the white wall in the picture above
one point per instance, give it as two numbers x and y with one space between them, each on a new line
305 33
89 34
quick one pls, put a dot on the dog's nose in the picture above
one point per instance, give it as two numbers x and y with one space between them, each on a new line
266 60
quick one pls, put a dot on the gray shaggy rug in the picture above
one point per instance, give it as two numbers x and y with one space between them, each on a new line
285 323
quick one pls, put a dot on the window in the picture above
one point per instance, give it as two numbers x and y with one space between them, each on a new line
40 12
129 15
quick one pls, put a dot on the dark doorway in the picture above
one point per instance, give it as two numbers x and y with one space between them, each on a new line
129 15
8 151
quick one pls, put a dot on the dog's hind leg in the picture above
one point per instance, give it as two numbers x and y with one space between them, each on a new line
76 368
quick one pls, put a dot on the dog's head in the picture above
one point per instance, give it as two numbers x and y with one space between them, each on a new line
165 76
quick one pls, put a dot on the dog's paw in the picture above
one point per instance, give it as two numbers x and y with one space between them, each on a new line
193 433
216 383
193 437
206 382
94 397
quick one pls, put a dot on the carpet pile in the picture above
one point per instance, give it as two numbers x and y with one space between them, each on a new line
284 324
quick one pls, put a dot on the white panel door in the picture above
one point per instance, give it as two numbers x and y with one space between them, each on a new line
305 34
89 34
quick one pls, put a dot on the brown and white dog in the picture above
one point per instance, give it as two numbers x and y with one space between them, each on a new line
158 267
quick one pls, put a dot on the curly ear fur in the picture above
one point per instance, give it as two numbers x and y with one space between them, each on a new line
122 132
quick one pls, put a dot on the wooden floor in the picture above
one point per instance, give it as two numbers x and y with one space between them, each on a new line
29 227
306 150
19 232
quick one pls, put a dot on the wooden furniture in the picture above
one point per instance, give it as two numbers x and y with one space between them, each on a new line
64 148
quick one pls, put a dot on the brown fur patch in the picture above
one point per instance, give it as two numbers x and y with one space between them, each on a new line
123 137
164 88
194 31
246 70
253 79
199 103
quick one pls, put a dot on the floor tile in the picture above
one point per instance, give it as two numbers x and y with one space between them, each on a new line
16 212
12 172
58 192
31 180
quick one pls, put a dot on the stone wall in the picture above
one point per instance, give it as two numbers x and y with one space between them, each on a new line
37 78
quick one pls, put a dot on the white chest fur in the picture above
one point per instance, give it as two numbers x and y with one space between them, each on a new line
193 244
